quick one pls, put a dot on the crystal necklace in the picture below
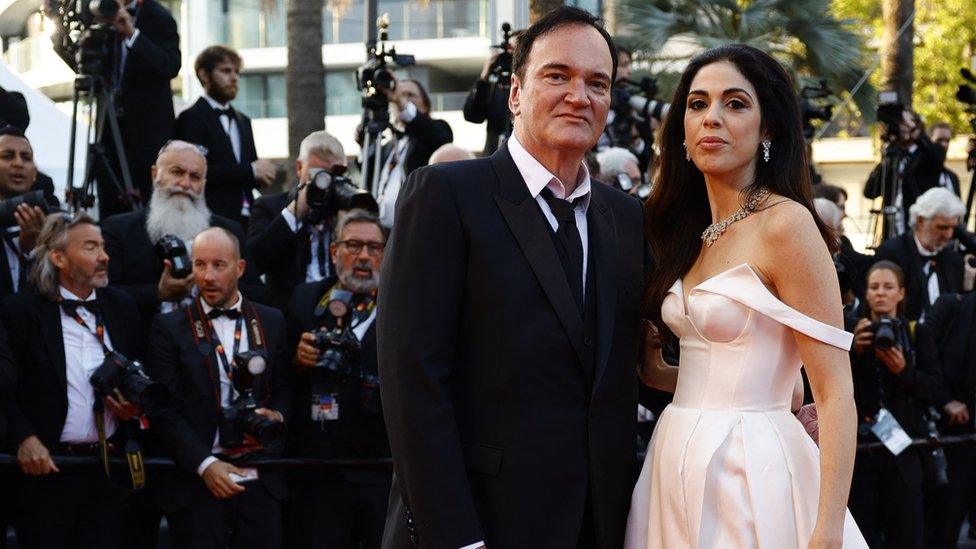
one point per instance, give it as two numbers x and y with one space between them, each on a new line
715 230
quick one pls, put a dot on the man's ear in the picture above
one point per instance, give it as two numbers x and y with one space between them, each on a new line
515 96
57 257
204 78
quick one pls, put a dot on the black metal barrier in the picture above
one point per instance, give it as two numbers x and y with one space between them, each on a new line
7 460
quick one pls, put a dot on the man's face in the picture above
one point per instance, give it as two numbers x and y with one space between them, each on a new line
216 268
410 91
623 66
359 270
563 100
17 169
304 167
221 82
942 137
83 262
935 233
180 172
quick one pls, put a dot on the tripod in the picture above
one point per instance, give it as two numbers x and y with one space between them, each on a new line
377 120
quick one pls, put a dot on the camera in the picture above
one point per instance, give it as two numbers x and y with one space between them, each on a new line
82 39
966 94
9 206
330 191
240 425
501 70
813 107
172 248
936 458
129 377
886 333
633 102
374 76
890 113
339 346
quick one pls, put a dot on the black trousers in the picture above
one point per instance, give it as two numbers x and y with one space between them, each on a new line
886 500
251 519
77 507
140 519
960 494
331 512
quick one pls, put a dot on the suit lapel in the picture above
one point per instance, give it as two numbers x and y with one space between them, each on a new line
6 277
217 128
603 247
49 317
521 213
113 325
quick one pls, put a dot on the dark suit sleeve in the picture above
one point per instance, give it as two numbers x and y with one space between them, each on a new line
162 51
476 104
145 294
928 338
872 187
191 127
281 372
433 133
19 426
8 376
420 302
168 421
270 239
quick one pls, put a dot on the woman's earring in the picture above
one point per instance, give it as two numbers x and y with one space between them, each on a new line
765 145
685 145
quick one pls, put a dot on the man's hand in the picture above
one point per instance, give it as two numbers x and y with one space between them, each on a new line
123 22
893 358
34 459
273 415
863 336
122 408
307 354
30 219
217 479
299 206
172 289
957 412
264 172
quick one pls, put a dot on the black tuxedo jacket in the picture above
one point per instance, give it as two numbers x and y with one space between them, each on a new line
34 325
494 426
8 383
279 254
947 340
134 266
187 426
921 173
356 434
903 251
426 136
227 179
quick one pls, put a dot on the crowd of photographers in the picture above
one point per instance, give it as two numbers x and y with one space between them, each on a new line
218 327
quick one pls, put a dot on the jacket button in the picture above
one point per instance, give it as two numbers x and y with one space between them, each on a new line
587 341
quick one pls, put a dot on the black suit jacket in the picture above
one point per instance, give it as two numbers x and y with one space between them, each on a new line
227 179
921 173
488 101
279 254
494 426
426 136
34 325
134 266
357 434
947 340
903 251
8 382
187 426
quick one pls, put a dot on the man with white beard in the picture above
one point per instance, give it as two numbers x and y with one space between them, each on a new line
177 208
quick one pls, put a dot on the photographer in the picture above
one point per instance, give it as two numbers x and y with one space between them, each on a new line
918 167
224 359
945 339
63 331
488 99
177 209
941 135
931 266
891 389
415 137
337 401
20 225
618 168
232 159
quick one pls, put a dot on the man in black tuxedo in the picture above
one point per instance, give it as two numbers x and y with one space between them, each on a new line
508 326
232 160
285 245
60 331
177 208
338 416
932 267
201 352
947 341
941 134
145 57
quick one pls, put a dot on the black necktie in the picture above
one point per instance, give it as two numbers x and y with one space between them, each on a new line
568 237
71 306
217 312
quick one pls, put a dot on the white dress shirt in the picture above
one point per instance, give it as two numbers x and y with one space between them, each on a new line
229 124
931 278
83 354
316 233
394 171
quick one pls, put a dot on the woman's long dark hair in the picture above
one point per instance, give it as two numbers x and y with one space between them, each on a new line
677 211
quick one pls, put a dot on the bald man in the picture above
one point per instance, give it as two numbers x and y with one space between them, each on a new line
203 353
450 153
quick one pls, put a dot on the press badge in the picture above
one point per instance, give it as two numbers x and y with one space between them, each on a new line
889 432
325 407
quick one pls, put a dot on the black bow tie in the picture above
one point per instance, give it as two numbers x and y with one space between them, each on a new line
70 306
228 112
217 312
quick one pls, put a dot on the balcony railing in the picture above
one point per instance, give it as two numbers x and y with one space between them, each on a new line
276 107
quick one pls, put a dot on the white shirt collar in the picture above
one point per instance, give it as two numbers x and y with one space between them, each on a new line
538 177
65 294
213 102
235 307
922 250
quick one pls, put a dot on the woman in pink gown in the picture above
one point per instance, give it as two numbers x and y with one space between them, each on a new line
750 299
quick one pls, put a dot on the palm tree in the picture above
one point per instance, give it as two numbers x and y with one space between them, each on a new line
305 73
897 63
538 8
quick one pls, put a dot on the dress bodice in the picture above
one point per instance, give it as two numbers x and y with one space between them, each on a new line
737 344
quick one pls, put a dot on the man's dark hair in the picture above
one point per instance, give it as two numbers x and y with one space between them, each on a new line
941 125
559 17
10 129
214 55
832 193
623 49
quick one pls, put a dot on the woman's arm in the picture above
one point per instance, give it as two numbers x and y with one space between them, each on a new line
653 370
799 266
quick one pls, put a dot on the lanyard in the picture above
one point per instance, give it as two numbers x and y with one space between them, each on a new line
98 332
219 348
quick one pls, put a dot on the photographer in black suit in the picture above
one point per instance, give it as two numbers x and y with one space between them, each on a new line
145 51
204 353
60 331
284 244
941 134
488 99
337 413
234 168
177 208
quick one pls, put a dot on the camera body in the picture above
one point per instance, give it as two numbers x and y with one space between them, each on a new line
129 377
172 248
887 333
82 38
633 102
890 114
330 191
501 70
374 76
9 206
239 421
813 107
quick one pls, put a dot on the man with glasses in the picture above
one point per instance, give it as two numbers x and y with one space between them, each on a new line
336 403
